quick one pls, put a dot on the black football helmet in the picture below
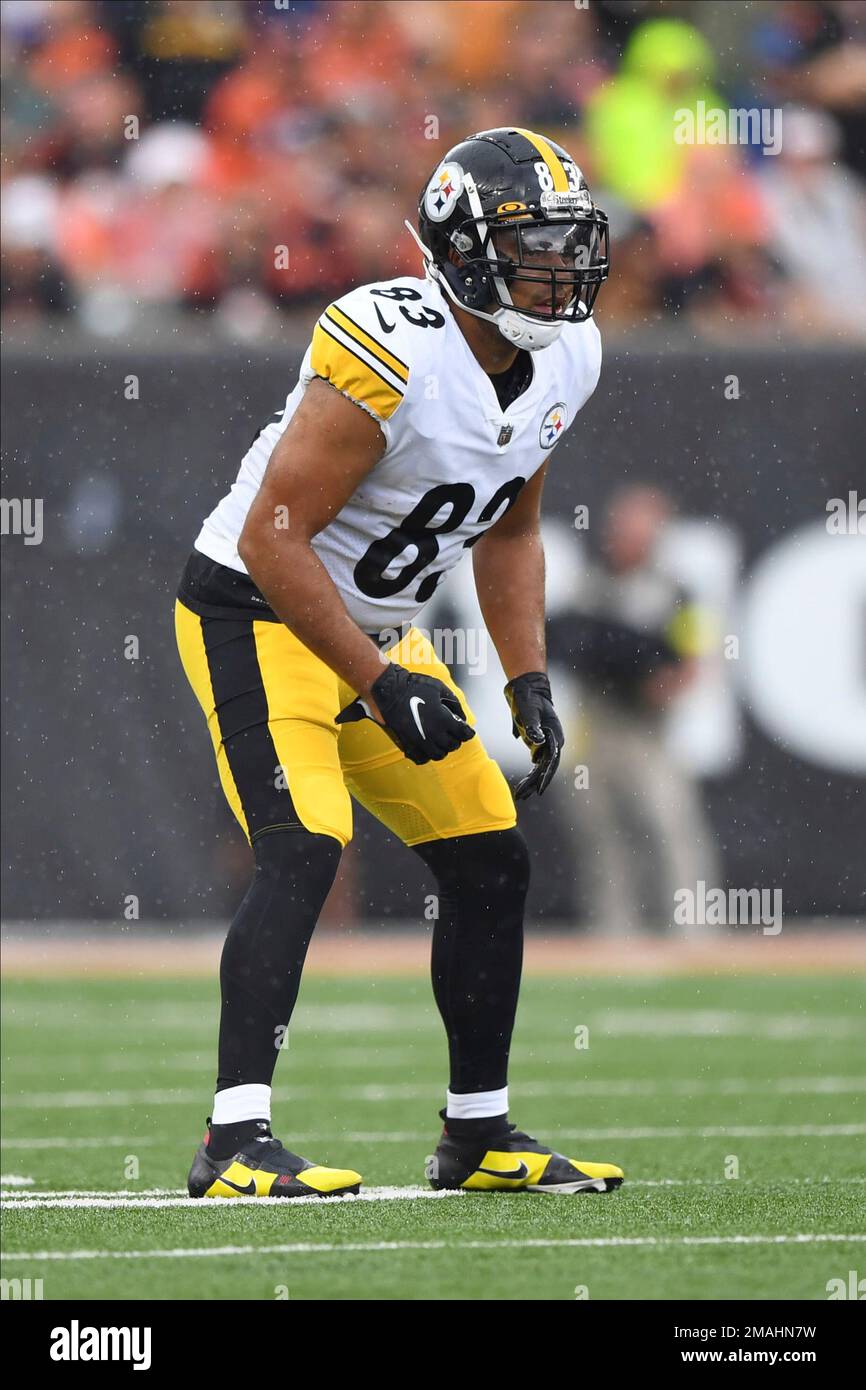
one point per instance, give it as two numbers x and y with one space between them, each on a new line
516 209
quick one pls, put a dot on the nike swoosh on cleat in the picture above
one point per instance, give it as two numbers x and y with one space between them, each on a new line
520 1172
248 1191
413 705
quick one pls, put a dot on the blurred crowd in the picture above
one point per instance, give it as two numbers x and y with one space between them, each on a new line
248 158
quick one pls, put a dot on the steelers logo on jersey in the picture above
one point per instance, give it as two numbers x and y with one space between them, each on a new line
552 426
443 190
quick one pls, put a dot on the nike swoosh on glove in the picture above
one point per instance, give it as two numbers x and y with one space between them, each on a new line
535 721
423 717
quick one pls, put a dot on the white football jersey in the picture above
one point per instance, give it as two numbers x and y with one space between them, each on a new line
454 462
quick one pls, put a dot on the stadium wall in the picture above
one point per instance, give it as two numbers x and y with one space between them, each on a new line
109 792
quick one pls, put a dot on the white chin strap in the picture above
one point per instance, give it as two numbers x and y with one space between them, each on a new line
519 330
524 332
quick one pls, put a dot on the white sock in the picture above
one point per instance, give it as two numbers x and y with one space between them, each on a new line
239 1103
477 1105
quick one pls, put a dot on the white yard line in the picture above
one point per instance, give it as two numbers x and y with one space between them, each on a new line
115 1201
376 1092
123 1197
729 1023
685 1086
99 1100
716 1132
361 1019
327 1248
167 1018
112 1141
332 1053
427 1136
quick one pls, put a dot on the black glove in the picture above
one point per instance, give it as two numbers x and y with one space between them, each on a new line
423 717
534 720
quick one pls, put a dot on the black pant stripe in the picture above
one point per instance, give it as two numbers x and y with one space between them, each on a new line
242 714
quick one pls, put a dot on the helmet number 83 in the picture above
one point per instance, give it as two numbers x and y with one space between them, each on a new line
545 177
416 531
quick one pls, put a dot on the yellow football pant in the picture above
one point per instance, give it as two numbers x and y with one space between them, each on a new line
283 762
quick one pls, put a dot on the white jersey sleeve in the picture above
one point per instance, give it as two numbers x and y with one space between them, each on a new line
359 346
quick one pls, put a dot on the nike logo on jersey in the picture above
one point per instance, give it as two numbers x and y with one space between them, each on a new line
413 705
518 1173
386 327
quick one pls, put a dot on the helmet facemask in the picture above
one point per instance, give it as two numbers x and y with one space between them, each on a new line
549 271
529 272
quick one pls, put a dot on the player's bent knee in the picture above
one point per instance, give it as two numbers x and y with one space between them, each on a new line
506 856
493 865
298 858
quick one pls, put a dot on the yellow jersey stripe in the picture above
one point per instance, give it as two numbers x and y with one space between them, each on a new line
553 162
375 348
356 358
349 372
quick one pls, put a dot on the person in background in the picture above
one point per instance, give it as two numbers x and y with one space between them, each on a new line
816 212
633 638
667 67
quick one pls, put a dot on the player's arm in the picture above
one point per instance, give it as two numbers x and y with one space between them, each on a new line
509 580
327 449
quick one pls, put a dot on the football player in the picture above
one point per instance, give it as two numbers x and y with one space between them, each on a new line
420 428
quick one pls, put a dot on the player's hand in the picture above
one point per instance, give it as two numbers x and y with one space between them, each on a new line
423 717
535 721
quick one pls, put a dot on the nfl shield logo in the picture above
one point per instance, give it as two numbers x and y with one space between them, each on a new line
505 435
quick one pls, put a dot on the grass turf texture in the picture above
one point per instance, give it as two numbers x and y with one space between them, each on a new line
691 1074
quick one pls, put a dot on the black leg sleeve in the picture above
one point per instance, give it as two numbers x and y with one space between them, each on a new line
478 950
265 950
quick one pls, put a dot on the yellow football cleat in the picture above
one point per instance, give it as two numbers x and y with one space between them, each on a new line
263 1168
514 1162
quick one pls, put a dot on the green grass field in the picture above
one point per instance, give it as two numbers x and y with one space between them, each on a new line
685 1082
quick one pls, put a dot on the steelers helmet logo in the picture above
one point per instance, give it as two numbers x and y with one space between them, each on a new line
443 190
552 426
